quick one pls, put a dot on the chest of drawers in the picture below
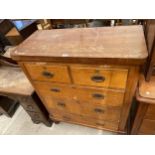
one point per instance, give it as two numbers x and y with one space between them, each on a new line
85 76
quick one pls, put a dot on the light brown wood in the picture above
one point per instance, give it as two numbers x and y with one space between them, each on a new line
147 89
115 53
48 72
119 42
84 109
63 105
100 112
55 90
100 96
84 121
132 81
100 76
147 127
150 113
95 95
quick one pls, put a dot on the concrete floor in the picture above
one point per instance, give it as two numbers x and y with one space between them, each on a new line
21 124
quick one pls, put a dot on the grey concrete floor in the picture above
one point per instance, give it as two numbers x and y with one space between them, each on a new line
21 124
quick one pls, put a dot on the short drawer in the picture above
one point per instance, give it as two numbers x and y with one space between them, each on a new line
57 115
147 127
100 76
48 72
55 90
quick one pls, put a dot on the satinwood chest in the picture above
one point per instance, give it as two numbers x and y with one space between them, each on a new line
85 76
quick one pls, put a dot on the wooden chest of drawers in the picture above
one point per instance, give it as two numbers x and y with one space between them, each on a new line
86 76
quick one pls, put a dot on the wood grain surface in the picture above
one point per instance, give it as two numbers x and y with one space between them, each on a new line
120 42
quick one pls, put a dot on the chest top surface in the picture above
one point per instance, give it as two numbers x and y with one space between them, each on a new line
120 42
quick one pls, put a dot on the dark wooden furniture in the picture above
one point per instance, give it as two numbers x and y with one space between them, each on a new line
64 23
8 106
15 31
26 27
15 85
144 122
9 33
150 40
85 76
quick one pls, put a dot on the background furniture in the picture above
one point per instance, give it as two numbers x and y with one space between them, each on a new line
150 40
25 27
144 122
84 76
8 106
14 85
10 34
15 31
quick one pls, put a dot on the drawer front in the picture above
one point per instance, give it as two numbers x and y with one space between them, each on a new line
55 90
48 72
100 112
96 96
85 109
147 127
102 77
100 96
150 114
66 117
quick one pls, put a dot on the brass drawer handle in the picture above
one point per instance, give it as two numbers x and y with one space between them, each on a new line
61 104
47 74
98 78
98 96
99 110
55 89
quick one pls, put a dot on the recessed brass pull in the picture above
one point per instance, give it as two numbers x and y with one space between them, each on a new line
47 74
98 78
55 89
98 110
98 96
61 104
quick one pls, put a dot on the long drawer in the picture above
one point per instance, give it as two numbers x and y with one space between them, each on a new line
84 108
95 95
66 117
100 76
